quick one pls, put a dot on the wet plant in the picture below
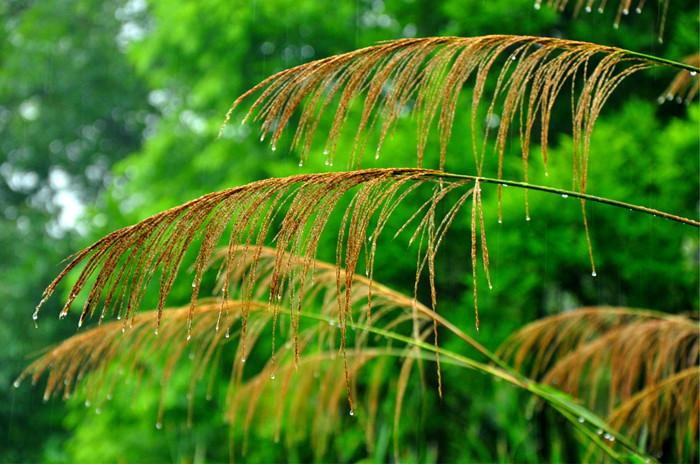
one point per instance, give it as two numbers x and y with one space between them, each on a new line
263 239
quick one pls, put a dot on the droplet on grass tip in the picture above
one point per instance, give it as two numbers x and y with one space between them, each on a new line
693 73
594 274
564 195
581 420
352 412
159 425
16 383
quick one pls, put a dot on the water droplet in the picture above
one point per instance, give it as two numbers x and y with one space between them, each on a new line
594 274
274 147
600 10
625 12
46 397
325 151
564 195
35 316
500 221
194 283
262 137
155 332
376 155
301 163
119 317
638 10
527 218
123 329
693 73
272 376
98 411
581 420
588 8
513 57
243 360
109 397
490 287
599 431
189 337
87 403
351 412
327 163
80 323
616 25
159 425
537 6
16 383
228 334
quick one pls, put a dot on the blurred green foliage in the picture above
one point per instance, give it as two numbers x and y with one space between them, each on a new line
115 106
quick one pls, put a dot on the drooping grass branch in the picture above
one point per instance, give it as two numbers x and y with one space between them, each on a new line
624 363
427 75
103 357
293 210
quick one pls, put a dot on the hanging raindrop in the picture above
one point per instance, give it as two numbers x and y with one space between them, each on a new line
272 376
581 420
594 274
352 412
564 195
301 163
16 383
588 8
693 73
159 425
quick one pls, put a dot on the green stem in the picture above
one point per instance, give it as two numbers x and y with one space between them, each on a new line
664 61
570 193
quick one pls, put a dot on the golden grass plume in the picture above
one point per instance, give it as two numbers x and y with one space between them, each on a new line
102 357
428 74
637 367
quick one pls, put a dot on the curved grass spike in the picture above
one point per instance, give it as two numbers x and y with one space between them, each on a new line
104 359
622 362
624 8
428 74
668 410
119 267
